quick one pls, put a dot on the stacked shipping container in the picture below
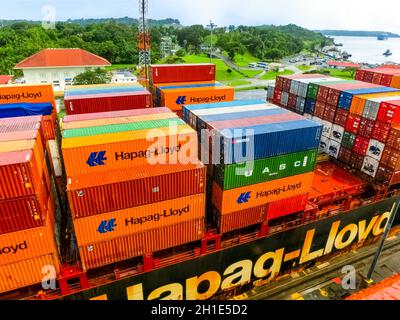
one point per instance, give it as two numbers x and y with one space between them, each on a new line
357 119
103 98
260 160
135 185
386 76
172 86
27 239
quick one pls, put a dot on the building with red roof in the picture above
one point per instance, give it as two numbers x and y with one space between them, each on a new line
5 79
59 66
343 64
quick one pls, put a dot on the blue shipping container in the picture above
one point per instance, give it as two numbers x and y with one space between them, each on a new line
310 106
268 140
346 97
25 109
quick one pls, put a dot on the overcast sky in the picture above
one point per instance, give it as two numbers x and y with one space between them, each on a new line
313 14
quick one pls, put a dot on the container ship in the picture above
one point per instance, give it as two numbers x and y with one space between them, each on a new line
181 192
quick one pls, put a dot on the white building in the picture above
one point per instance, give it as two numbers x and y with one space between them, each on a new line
123 76
59 66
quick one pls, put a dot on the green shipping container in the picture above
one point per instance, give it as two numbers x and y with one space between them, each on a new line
348 140
264 170
313 88
94 131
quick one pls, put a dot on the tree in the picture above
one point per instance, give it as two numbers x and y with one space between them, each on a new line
97 76
180 53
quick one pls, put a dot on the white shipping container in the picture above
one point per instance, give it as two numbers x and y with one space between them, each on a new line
375 149
327 129
337 133
370 166
324 145
334 148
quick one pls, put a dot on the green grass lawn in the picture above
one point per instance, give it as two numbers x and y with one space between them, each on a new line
245 59
339 73
304 68
271 75
222 73
120 66
236 83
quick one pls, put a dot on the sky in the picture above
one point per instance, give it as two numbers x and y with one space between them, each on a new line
368 15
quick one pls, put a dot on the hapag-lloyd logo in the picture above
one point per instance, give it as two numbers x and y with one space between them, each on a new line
21 96
14 249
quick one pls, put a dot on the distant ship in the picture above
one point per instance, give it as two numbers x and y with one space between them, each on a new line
387 53
382 37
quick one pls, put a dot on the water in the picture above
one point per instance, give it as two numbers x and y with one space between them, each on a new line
370 50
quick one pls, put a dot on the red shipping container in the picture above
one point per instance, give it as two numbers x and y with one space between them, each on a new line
368 76
341 117
333 97
323 93
277 97
279 83
386 80
393 140
360 75
319 109
381 131
115 101
387 175
107 252
356 161
241 219
361 145
353 123
25 212
20 174
168 73
377 78
286 207
345 155
114 114
391 158
389 112
292 102
366 127
286 85
395 178
120 189
330 113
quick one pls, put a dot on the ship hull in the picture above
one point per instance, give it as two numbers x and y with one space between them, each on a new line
264 259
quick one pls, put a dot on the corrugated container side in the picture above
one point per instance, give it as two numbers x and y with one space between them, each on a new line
240 219
123 150
133 190
103 253
26 93
104 104
389 112
263 170
27 272
391 158
125 222
286 207
256 195
182 73
26 244
366 127
381 131
393 140
353 123
20 174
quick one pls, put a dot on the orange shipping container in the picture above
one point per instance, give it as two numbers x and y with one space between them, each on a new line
119 120
29 243
27 93
106 252
395 82
135 220
27 272
174 99
174 145
259 194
